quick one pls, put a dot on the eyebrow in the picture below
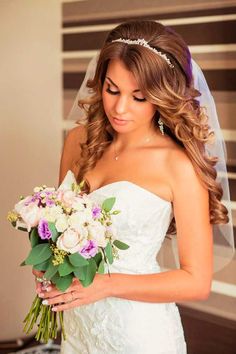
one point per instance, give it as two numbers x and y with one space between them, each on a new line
137 90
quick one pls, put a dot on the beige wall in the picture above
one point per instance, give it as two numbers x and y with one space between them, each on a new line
30 134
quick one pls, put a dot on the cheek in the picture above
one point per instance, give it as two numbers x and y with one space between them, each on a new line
147 111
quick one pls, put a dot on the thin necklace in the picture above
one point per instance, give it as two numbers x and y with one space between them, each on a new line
146 140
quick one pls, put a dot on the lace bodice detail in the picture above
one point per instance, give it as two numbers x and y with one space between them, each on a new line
142 224
121 326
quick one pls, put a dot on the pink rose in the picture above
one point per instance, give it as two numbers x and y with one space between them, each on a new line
30 214
71 241
67 197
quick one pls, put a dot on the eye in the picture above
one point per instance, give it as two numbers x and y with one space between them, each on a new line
140 99
117 92
111 92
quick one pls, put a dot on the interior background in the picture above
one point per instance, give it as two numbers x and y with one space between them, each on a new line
45 47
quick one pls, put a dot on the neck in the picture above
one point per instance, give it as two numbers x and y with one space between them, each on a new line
129 142
126 141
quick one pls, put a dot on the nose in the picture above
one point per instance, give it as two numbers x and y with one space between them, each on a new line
121 105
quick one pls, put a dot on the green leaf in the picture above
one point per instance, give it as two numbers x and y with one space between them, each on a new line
39 254
90 273
55 277
80 272
53 230
65 268
34 237
51 271
77 260
42 266
108 251
121 245
108 204
101 267
98 258
63 283
22 229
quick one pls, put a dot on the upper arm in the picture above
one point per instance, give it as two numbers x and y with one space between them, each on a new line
71 151
191 211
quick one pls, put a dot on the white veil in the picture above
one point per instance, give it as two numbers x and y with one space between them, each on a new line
222 233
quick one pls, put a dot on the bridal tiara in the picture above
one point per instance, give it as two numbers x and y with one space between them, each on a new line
145 44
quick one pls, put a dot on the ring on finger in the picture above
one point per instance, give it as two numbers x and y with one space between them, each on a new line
72 296
39 279
46 284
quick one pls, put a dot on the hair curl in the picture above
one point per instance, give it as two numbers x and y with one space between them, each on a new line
170 90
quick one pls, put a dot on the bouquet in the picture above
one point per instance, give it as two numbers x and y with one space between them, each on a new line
71 235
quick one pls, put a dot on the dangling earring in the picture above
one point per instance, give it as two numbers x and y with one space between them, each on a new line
161 126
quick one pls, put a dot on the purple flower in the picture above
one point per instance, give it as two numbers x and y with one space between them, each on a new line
43 230
50 202
96 211
89 250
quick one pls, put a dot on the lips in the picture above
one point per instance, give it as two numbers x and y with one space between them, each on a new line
120 121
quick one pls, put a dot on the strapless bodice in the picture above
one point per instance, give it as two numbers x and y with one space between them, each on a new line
121 326
142 223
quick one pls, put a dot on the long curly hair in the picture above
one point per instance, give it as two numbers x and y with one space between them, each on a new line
171 90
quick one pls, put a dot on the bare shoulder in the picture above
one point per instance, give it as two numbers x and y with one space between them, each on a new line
184 180
71 150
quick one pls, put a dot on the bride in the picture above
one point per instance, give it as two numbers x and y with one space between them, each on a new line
142 139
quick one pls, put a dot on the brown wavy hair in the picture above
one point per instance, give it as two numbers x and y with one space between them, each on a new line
169 89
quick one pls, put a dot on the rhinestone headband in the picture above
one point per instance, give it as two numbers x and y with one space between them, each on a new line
145 44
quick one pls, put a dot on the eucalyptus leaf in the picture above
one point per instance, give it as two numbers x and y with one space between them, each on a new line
53 230
55 277
90 273
80 272
51 271
121 245
39 254
34 237
108 252
22 229
101 267
42 266
108 204
66 267
63 283
98 258
77 260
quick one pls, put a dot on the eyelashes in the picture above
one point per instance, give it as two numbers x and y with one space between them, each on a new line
117 92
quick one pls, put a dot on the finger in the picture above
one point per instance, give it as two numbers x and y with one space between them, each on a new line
37 273
38 287
69 305
65 297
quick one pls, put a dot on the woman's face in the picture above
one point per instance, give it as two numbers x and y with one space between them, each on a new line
124 104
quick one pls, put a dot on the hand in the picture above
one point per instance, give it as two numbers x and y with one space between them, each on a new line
39 285
76 294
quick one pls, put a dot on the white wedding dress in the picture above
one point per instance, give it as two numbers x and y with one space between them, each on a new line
121 326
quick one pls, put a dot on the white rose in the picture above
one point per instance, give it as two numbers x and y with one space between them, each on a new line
61 223
97 232
31 214
71 241
21 204
87 201
78 204
67 197
51 214
76 220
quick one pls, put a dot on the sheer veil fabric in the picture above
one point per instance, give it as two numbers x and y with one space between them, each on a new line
223 233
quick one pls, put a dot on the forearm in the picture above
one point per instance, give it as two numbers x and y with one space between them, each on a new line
169 286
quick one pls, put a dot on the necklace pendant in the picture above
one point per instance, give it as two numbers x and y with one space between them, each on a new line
116 158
